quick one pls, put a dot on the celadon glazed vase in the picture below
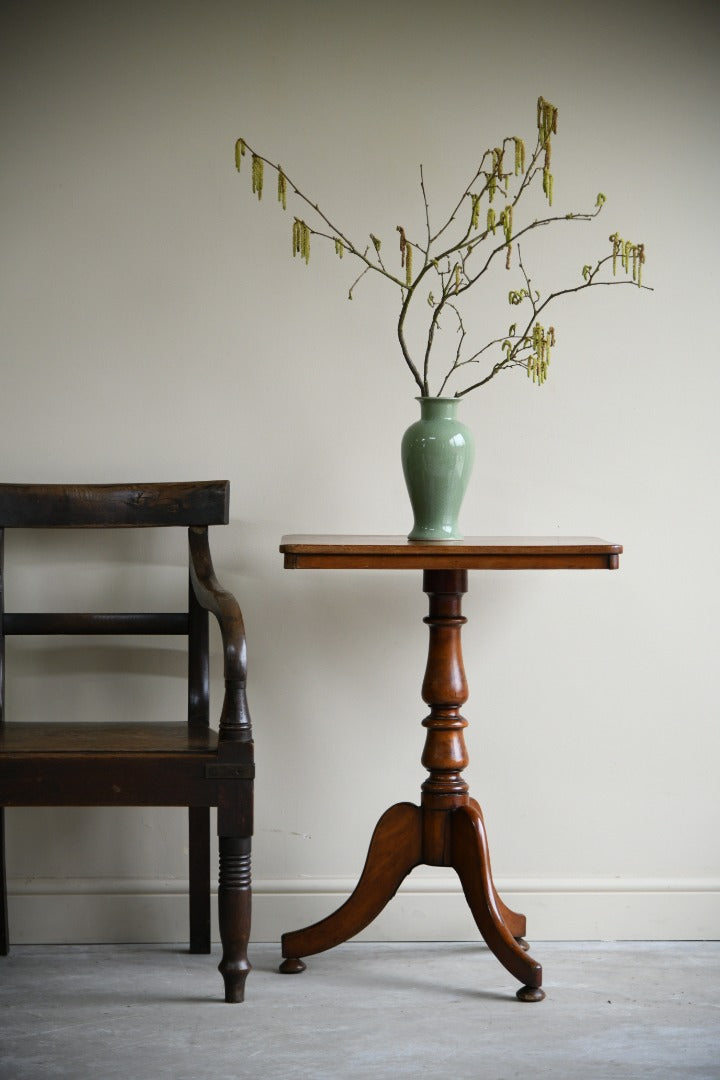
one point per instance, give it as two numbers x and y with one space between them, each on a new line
437 456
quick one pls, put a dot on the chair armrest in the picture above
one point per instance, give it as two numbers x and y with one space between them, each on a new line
235 718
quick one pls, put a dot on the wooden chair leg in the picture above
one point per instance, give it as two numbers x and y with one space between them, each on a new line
199 860
4 934
234 911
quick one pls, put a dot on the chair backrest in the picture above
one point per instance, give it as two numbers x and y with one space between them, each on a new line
195 505
97 506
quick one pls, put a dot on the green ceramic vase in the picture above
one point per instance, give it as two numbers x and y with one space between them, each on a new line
437 456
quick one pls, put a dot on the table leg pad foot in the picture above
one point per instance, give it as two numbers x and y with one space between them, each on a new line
291 966
530 993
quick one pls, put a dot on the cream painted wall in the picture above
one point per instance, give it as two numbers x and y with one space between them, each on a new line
153 326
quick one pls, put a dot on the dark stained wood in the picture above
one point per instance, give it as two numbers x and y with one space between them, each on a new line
142 762
106 764
115 780
474 553
2 640
82 506
235 724
199 877
198 660
447 829
213 598
234 893
95 622
48 738
4 932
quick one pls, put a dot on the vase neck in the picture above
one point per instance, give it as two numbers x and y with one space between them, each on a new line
438 408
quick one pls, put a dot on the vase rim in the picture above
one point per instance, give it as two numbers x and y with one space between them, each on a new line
437 397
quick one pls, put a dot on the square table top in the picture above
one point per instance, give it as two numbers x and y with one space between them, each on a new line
307 551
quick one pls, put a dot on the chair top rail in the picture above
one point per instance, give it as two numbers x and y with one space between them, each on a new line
97 506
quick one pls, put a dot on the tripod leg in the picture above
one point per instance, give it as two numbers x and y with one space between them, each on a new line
395 848
516 923
471 859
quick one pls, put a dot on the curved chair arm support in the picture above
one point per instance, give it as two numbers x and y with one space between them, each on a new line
235 719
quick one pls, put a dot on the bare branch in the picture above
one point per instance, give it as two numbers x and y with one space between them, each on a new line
463 251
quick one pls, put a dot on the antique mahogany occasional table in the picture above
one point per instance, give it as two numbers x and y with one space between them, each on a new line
447 829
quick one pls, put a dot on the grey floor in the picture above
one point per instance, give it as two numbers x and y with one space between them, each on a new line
362 1011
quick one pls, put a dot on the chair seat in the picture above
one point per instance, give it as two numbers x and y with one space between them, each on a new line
111 764
45 738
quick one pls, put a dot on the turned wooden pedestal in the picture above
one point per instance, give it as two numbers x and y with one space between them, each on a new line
447 828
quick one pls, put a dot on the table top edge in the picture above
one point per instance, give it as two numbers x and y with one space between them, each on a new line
329 545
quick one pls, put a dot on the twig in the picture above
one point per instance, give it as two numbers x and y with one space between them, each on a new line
450 261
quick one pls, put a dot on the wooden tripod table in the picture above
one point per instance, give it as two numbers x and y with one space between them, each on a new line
447 829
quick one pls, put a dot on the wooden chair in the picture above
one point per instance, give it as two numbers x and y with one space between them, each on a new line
145 762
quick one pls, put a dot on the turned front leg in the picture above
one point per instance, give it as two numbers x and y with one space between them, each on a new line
235 826
234 909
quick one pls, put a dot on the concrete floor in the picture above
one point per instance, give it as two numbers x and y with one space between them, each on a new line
362 1011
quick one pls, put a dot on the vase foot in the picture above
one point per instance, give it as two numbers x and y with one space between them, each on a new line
435 539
